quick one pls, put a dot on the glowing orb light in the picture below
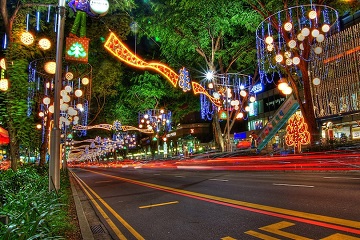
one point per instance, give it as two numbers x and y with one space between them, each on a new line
50 67
27 38
44 44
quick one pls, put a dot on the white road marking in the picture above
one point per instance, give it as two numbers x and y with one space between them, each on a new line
354 178
292 185
216 179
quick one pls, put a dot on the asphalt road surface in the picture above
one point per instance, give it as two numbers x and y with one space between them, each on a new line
227 205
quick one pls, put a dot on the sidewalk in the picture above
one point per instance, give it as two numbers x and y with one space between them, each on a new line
90 225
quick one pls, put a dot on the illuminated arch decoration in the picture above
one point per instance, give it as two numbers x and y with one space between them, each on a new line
114 45
296 133
109 127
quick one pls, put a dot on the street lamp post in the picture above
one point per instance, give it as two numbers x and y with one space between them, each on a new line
54 165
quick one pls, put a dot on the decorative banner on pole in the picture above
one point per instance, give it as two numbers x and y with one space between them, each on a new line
77 49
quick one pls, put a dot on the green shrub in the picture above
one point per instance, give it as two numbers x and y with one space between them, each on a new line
33 211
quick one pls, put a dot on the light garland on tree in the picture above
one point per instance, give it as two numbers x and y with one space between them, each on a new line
336 89
296 133
292 36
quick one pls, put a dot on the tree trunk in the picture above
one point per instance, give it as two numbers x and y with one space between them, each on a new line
219 139
14 146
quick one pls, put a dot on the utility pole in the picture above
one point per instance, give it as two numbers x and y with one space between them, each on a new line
54 165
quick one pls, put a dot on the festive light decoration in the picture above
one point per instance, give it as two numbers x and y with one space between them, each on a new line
73 109
27 38
85 81
296 133
155 119
114 45
3 63
109 127
4 84
335 88
184 79
229 90
291 38
50 67
77 49
44 44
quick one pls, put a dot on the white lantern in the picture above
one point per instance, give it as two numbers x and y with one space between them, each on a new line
288 26
51 108
41 114
287 54
320 38
247 108
243 93
44 43
315 33
296 60
66 98
269 40
240 115
287 90
279 58
46 100
78 93
85 81
312 14
50 67
300 37
252 98
305 32
79 106
325 28
292 43
64 106
316 81
76 118
318 50
288 61
68 89
270 47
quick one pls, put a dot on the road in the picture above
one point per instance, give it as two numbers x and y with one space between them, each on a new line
163 204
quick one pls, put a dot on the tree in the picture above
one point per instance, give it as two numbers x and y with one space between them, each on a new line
218 34
300 81
15 99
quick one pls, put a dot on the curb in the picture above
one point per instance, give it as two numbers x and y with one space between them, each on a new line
86 232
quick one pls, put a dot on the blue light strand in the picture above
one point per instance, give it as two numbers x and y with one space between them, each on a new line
27 21
37 21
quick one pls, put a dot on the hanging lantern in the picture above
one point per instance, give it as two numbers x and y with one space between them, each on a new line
44 44
269 40
210 85
50 67
282 84
320 38
4 84
296 60
69 76
315 33
68 89
300 37
312 14
3 64
287 90
325 28
27 38
41 114
51 109
288 26
240 115
85 81
247 108
316 81
292 43
305 32
252 98
46 100
279 58
318 50
78 93
243 93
